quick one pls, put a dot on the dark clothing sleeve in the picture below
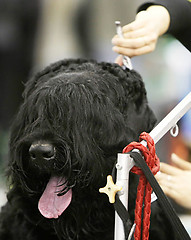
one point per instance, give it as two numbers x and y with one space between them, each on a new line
180 18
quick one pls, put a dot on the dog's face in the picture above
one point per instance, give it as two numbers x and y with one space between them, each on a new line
76 116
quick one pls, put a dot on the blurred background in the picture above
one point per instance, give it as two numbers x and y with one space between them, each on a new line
36 33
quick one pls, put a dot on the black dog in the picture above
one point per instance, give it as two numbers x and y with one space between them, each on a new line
76 116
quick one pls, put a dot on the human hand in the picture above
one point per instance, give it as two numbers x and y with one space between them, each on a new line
140 36
175 180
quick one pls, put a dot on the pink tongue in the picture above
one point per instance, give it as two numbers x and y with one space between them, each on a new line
50 204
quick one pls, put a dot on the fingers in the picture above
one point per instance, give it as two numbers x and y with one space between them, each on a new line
175 170
139 28
174 180
169 170
136 34
180 163
135 25
140 36
164 178
176 187
119 60
137 42
131 52
170 192
168 184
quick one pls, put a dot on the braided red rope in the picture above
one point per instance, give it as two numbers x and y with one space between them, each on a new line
144 189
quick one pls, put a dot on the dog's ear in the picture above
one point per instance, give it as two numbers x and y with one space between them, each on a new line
141 119
144 116
131 99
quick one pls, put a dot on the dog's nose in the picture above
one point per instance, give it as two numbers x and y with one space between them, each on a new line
42 151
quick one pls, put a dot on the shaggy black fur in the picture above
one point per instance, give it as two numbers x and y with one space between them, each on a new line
85 112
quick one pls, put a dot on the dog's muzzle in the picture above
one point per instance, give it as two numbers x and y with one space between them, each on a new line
40 151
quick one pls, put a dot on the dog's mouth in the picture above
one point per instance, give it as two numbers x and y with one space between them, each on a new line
52 204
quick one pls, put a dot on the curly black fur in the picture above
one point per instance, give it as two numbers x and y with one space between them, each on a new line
89 112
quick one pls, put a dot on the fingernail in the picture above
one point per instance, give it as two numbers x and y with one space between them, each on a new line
115 49
114 41
174 157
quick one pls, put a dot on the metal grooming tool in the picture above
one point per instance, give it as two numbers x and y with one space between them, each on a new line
126 60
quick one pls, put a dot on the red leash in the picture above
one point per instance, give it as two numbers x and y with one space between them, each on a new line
144 189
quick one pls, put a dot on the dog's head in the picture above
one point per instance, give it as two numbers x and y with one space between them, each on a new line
76 116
